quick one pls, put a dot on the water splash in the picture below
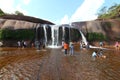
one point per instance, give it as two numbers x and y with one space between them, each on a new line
55 37
45 32
84 38
86 42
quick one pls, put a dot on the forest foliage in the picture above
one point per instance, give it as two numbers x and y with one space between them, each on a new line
112 12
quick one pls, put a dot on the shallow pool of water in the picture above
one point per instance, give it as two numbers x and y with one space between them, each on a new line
52 64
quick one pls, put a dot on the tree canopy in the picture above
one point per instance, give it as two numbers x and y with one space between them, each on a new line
111 12
1 12
16 13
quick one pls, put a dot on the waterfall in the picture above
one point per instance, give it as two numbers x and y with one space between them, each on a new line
83 38
86 43
52 32
45 33
38 25
63 30
55 37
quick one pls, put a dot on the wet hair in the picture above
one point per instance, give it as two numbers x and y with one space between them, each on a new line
95 51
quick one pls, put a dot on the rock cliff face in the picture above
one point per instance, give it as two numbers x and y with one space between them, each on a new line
110 28
20 22
16 24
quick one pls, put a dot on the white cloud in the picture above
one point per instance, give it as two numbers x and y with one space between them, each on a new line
87 11
26 2
65 20
8 6
18 8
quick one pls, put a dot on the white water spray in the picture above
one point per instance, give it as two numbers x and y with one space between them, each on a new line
63 29
84 38
86 42
55 37
45 33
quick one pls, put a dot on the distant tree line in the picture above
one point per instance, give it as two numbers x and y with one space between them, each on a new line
110 13
1 12
16 13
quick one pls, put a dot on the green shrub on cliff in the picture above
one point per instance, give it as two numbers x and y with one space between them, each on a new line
6 34
96 37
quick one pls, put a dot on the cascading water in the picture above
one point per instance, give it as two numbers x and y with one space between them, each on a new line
37 31
63 30
86 42
45 33
84 38
55 37
54 41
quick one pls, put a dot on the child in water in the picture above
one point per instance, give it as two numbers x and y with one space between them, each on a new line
94 54
100 54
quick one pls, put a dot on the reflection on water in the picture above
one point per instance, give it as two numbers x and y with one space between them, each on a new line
19 64
110 66
29 64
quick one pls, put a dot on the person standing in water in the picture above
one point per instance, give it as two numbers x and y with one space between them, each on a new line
101 44
117 46
62 44
81 46
19 44
71 48
65 48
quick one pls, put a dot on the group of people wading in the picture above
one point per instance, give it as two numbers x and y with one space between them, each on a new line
70 46
66 46
37 44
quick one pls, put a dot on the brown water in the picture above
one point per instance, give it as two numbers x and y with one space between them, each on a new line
52 64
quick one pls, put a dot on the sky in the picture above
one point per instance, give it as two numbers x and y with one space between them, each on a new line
58 11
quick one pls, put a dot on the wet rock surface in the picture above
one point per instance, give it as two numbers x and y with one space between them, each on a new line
52 64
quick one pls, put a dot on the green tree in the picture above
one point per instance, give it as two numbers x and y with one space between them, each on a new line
103 11
1 12
18 13
111 12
